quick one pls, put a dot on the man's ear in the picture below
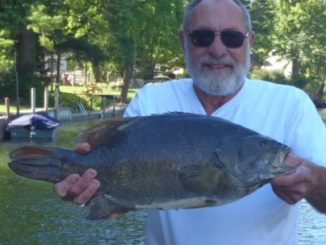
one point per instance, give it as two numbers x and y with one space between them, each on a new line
182 40
252 37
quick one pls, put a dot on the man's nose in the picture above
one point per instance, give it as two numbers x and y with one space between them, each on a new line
217 48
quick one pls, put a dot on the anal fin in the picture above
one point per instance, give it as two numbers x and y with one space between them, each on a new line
102 208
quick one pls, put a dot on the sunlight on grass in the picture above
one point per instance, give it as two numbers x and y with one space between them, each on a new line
5 149
12 108
104 88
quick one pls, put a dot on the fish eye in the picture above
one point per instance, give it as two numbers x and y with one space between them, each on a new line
263 143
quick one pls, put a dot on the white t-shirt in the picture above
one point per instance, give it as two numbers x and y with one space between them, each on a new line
282 112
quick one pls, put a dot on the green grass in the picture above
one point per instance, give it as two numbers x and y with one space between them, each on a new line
12 108
102 88
4 154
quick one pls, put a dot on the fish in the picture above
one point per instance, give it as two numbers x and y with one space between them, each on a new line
166 161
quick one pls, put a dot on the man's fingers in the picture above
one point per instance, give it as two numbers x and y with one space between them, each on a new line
295 186
87 194
290 197
82 183
64 186
79 188
83 147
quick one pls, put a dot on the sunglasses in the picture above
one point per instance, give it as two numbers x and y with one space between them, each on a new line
230 38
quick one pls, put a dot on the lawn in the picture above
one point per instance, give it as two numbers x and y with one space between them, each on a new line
95 88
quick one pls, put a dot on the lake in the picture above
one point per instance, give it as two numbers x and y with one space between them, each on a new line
31 213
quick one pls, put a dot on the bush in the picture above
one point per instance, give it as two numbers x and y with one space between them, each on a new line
70 100
273 76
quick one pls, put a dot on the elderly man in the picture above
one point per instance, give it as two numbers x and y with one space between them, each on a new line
216 39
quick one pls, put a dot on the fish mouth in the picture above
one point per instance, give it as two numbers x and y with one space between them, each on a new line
286 153
279 166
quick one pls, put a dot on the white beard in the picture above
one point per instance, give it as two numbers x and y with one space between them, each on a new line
220 84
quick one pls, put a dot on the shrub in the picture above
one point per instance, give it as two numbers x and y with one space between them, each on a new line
273 76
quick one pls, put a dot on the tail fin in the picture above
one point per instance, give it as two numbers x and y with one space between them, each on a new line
40 163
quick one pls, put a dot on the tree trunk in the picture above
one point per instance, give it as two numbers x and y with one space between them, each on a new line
57 79
56 91
85 74
129 61
26 52
149 70
127 75
26 59
320 92
297 71
96 71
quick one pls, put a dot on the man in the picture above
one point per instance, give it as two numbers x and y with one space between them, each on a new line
216 39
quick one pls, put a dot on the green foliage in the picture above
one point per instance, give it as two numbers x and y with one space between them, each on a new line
300 36
263 19
71 100
47 26
6 50
8 87
138 38
273 76
7 84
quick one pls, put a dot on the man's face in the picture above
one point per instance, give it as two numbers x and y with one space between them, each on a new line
217 69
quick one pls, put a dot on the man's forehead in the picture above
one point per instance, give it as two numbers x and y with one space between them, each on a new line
209 12
217 1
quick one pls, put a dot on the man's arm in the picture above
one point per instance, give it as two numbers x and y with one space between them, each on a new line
307 181
317 197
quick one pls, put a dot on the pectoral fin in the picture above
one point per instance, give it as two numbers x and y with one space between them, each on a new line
200 178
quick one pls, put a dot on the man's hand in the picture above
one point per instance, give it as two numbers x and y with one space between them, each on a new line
79 189
297 185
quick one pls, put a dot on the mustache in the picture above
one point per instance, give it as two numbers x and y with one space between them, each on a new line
209 60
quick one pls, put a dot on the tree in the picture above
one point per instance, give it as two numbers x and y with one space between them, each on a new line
263 19
20 42
142 32
299 36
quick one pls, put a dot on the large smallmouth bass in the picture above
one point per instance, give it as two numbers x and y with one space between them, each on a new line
169 161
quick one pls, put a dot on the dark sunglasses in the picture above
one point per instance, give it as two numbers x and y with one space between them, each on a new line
230 38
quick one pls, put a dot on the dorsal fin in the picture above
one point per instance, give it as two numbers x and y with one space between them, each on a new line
101 133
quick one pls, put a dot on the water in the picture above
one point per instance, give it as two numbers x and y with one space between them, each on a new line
312 226
31 213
